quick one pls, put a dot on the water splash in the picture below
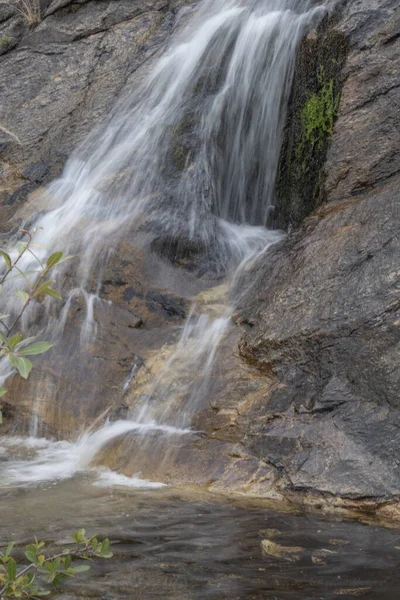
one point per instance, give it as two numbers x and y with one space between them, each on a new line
57 460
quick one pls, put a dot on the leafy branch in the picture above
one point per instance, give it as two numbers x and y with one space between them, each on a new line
12 343
53 570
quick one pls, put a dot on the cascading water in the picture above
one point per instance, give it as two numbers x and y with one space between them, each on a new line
189 159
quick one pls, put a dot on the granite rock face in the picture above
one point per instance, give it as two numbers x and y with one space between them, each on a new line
325 321
62 77
365 149
323 313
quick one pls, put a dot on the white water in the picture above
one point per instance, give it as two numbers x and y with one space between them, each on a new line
54 460
224 82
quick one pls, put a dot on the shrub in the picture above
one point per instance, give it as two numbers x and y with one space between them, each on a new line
28 580
12 343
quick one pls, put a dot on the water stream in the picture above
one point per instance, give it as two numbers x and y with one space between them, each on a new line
215 102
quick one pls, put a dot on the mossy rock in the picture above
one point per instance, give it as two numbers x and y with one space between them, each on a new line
7 42
311 116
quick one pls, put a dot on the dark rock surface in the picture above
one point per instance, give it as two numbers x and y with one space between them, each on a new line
323 314
325 320
58 80
365 149
62 77
312 111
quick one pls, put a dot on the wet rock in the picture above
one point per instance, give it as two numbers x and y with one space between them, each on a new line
322 316
354 57
312 111
365 150
72 67
107 343
289 553
327 325
308 407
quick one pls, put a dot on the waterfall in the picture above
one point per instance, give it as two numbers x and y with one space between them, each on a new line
189 158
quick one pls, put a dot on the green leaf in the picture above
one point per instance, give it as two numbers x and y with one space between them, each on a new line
107 554
12 569
50 577
3 338
23 365
94 543
67 562
67 258
59 578
2 391
105 544
53 293
14 341
6 258
9 547
25 341
4 316
21 247
43 287
31 556
37 348
26 579
22 296
79 535
42 592
80 568
54 259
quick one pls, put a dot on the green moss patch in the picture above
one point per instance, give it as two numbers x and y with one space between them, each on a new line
318 116
312 112
5 42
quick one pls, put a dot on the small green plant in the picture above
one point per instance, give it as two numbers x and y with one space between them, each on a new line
12 343
318 116
30 10
5 40
29 580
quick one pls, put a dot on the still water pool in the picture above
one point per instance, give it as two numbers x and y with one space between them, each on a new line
179 545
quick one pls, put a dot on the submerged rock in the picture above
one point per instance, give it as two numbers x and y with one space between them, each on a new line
289 553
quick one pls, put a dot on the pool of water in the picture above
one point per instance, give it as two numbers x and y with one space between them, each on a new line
178 545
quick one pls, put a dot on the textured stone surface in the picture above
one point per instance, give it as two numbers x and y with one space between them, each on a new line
323 314
325 321
365 148
57 81
60 78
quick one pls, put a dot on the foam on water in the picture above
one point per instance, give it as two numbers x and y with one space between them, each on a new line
107 478
57 460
